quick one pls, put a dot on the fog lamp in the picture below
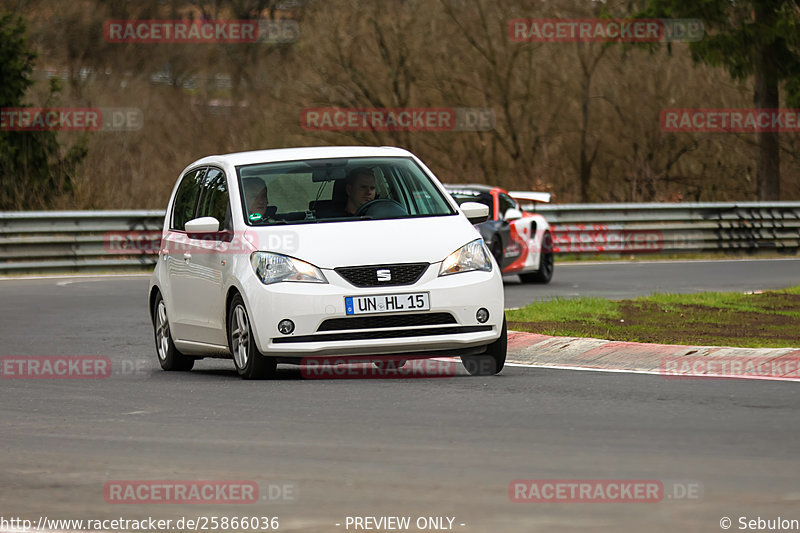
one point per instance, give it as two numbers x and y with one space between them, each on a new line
286 326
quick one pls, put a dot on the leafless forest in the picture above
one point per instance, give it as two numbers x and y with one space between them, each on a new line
580 120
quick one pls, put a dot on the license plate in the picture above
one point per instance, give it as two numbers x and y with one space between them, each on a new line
387 303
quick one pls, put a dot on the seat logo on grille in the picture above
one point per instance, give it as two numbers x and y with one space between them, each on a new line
384 274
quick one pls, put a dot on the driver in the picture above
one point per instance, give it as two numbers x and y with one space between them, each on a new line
360 188
257 200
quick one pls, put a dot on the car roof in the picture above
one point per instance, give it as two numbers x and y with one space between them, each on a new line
293 154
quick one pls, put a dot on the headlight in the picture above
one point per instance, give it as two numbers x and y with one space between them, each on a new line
273 268
472 256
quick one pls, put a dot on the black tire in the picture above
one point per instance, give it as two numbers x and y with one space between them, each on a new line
169 357
546 263
492 361
249 362
393 364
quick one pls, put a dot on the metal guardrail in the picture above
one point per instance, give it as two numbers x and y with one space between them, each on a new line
41 241
673 228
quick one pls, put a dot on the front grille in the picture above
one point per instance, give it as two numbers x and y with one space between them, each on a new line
367 276
387 321
383 334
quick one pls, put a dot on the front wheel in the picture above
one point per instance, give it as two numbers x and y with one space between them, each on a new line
546 263
250 364
168 355
492 361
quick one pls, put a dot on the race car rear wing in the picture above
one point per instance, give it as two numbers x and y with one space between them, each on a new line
523 196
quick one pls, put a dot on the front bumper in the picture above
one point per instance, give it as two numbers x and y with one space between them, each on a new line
308 305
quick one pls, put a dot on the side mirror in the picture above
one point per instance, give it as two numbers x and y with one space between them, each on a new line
202 225
512 214
475 212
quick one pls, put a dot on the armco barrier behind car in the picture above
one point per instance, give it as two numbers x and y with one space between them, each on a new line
42 241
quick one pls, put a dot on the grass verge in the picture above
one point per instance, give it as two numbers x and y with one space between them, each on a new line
770 319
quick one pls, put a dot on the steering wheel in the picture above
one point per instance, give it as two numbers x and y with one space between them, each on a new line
382 207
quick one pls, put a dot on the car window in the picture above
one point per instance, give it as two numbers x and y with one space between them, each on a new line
185 206
316 190
293 191
506 203
214 198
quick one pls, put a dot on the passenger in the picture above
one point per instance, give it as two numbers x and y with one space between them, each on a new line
360 189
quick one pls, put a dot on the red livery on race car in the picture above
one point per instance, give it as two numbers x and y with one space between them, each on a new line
521 242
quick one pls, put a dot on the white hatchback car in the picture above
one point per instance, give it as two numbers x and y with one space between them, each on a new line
273 256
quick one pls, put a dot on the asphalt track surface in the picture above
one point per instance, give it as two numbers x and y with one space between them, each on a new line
619 280
376 447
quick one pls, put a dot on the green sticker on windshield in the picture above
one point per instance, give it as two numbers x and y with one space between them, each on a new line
255 217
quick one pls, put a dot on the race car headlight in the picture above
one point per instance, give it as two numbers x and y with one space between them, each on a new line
471 256
274 268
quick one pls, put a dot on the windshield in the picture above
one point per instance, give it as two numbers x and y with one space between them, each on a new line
326 190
